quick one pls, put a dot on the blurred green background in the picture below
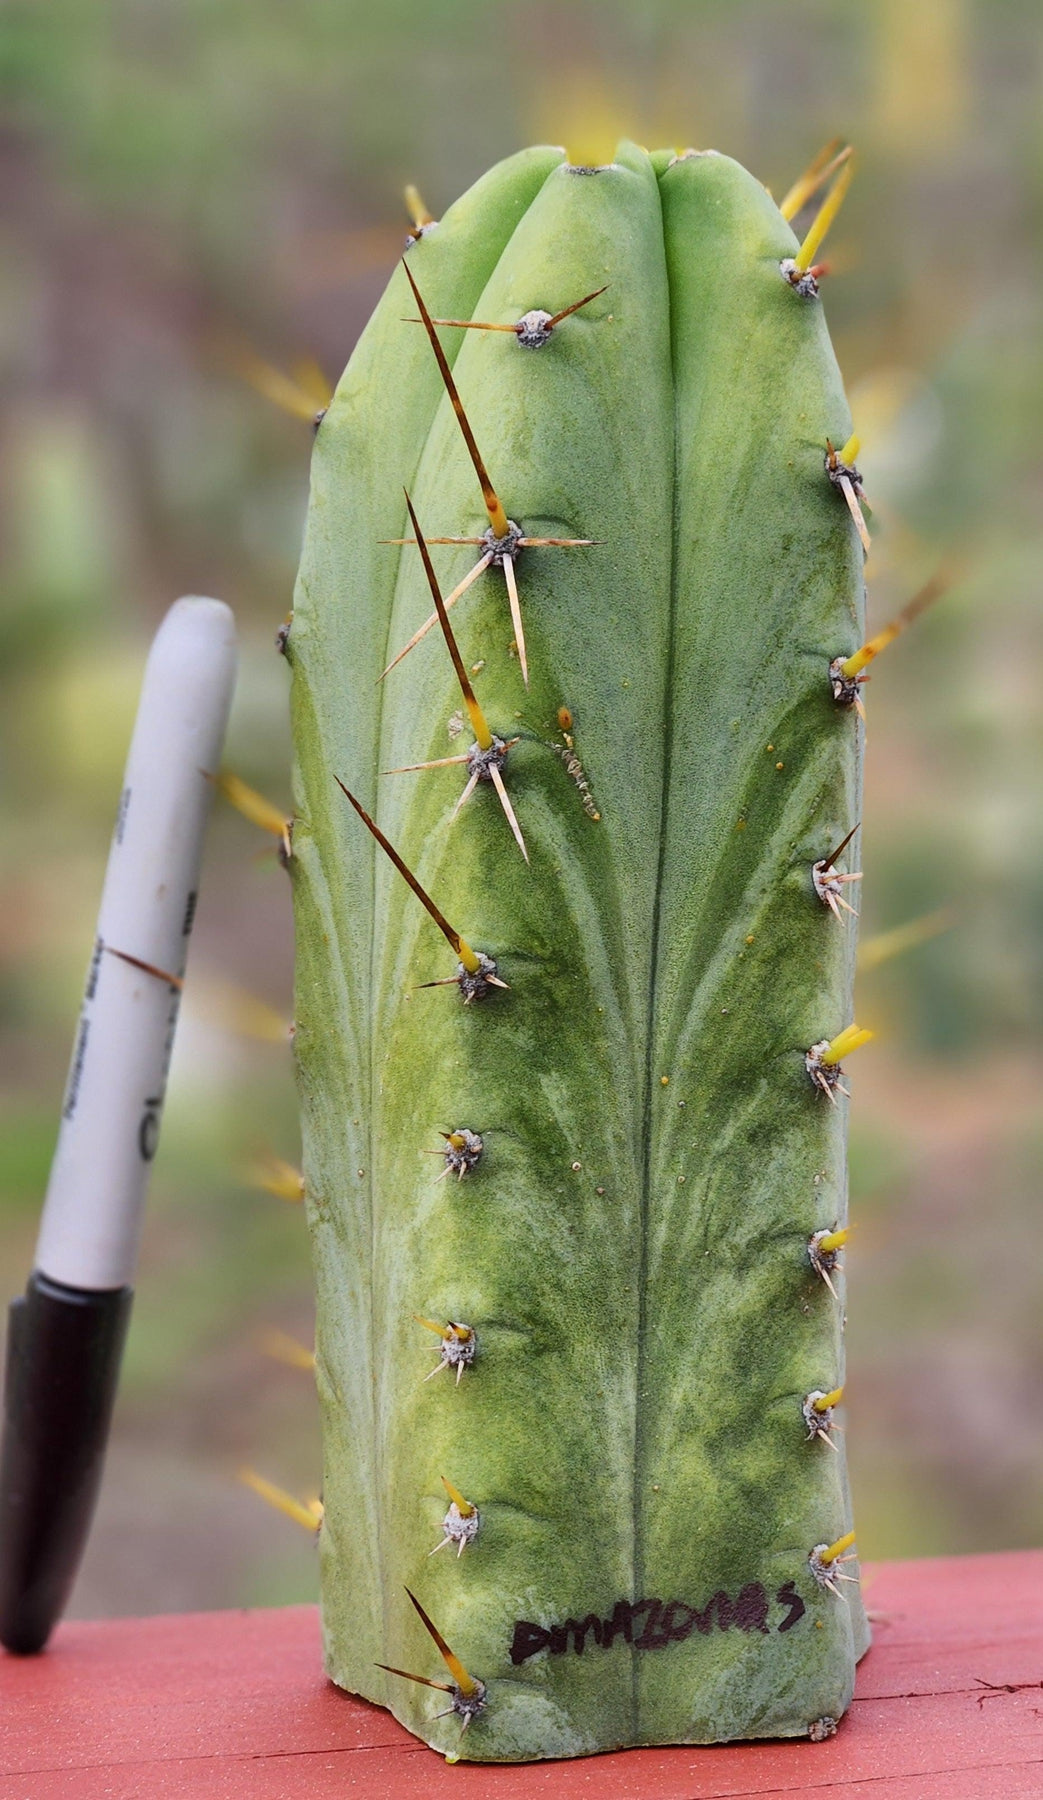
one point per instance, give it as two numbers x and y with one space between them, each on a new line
190 186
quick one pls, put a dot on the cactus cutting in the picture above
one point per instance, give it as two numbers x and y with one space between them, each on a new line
645 1248
542 1285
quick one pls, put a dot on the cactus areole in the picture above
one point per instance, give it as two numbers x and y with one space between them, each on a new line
581 1140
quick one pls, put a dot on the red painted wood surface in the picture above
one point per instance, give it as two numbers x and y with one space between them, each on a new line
233 1706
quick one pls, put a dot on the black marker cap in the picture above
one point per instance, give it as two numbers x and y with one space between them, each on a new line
63 1356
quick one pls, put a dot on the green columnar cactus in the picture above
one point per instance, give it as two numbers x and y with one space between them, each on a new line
628 1265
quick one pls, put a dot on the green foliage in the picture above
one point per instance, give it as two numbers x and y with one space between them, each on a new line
632 1248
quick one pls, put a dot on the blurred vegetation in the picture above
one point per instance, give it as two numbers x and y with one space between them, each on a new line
190 185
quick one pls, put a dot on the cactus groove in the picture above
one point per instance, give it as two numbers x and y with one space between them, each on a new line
637 1283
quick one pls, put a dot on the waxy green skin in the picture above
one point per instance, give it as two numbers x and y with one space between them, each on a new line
648 1321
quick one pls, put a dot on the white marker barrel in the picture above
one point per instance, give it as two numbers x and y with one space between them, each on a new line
114 1096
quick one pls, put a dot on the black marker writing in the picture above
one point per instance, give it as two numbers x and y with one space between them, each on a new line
654 1624
788 1596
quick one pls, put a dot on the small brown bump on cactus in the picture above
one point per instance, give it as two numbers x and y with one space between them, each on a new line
821 1729
824 1249
282 636
829 885
174 981
823 1059
532 330
462 1153
459 1345
488 753
279 1177
824 1560
460 1525
257 809
801 271
306 1513
818 1408
477 972
847 673
846 478
467 1693
503 539
419 217
820 169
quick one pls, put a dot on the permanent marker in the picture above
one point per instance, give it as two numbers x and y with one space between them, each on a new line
65 1335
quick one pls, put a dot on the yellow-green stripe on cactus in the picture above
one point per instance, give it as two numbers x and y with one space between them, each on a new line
610 1327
